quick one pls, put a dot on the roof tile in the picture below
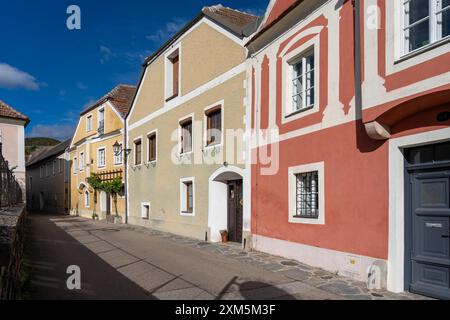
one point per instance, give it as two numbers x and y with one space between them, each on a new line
7 111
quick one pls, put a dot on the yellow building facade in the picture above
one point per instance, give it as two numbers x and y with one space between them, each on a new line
96 149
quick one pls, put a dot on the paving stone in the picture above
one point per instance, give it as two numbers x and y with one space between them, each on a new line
118 258
273 267
182 294
289 263
340 288
297 274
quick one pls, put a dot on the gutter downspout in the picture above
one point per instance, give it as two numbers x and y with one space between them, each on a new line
358 57
126 169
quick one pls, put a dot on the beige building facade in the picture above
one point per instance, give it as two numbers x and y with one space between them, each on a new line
185 132
48 180
96 148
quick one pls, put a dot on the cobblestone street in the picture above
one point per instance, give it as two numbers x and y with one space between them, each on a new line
170 267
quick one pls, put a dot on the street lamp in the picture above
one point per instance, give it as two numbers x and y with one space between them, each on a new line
120 150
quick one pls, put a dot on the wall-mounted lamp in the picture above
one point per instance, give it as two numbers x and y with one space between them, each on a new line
120 150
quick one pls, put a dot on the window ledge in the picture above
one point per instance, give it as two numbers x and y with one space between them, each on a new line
214 146
423 49
185 154
172 97
292 114
310 221
187 214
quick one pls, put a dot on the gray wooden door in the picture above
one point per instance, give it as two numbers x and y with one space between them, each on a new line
430 232
235 211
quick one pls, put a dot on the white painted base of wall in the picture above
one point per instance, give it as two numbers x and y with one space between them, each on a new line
343 263
182 229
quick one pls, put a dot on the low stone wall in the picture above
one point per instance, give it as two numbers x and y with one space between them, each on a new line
12 234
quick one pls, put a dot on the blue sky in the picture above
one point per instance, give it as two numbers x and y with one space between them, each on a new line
51 73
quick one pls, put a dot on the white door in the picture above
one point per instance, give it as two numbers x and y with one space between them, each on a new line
103 200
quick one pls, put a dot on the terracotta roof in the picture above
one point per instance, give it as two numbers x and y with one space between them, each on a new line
120 97
233 19
278 12
240 23
50 152
7 111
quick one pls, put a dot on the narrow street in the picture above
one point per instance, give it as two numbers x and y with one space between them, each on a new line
124 262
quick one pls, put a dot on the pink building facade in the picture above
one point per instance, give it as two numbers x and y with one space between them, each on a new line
352 170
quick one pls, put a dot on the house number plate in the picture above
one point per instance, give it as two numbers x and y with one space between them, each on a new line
434 225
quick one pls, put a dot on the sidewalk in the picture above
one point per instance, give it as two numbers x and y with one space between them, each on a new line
173 267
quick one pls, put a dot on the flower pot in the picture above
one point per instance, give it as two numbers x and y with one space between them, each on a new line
224 235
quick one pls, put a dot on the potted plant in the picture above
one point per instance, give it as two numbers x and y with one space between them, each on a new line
224 235
112 188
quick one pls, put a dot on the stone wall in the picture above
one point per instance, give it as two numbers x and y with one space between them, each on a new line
12 232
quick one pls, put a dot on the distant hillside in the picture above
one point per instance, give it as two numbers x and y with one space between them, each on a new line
33 144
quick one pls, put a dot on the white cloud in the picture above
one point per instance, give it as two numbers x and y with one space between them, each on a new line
13 78
60 132
106 54
169 30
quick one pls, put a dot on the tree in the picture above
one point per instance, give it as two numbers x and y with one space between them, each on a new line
113 187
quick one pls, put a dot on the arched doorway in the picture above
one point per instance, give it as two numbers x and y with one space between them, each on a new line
226 204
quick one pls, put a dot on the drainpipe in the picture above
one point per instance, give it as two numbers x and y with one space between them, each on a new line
124 149
357 56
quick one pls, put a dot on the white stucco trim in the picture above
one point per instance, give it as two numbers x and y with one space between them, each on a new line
106 157
168 72
136 139
89 116
180 132
143 205
292 181
396 256
218 203
172 104
183 199
346 264
220 103
20 149
115 111
287 70
397 59
155 132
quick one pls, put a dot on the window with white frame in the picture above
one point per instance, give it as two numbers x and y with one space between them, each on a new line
101 157
173 75
101 121
213 126
54 167
118 154
145 210
186 136
424 22
138 152
60 165
303 82
81 161
47 169
89 123
87 200
306 194
41 172
187 196
75 165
